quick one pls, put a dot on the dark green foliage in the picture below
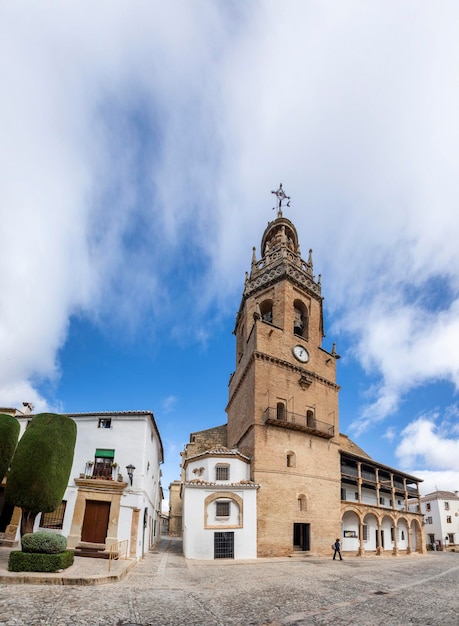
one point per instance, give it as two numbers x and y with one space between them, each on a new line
9 433
33 562
41 466
43 542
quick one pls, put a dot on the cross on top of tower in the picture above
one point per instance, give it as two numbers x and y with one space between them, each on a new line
281 197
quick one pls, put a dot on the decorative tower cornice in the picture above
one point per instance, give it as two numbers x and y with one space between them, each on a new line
281 256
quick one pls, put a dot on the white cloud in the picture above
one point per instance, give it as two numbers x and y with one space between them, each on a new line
446 480
425 443
169 403
408 345
141 143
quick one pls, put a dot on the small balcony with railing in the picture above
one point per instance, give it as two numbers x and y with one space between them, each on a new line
101 470
280 417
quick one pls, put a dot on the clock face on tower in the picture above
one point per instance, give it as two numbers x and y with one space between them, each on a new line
300 353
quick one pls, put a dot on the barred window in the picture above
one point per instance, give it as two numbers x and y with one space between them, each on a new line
54 519
222 509
222 472
365 532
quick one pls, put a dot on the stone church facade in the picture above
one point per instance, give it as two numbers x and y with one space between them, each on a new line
314 484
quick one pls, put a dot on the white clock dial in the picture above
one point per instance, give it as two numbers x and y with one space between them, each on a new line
300 353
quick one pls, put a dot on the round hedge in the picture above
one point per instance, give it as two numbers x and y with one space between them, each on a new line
43 542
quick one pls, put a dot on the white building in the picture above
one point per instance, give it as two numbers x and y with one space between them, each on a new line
114 492
219 506
441 518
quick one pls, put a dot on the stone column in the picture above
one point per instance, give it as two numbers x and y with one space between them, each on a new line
361 551
379 549
395 549
408 550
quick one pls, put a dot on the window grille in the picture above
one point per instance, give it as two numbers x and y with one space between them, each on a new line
54 519
222 472
222 509
224 545
365 532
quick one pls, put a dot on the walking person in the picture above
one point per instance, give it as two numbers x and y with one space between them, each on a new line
337 550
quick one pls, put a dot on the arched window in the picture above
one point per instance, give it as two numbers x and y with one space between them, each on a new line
300 322
266 310
291 459
310 418
280 411
302 503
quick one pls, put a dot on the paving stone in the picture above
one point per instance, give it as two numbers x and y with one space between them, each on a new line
166 590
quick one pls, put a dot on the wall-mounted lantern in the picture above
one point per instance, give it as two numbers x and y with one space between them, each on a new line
130 472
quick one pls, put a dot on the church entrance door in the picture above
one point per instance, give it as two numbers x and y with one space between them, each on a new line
301 537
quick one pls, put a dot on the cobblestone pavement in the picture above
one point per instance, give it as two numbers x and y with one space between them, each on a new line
165 589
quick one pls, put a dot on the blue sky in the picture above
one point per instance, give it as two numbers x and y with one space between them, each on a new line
140 144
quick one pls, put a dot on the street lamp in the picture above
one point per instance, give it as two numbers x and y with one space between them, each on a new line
130 471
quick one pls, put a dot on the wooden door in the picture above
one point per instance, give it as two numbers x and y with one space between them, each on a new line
95 522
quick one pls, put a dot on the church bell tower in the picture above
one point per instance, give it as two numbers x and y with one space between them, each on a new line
283 397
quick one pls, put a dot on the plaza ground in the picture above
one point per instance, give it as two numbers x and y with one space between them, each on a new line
165 589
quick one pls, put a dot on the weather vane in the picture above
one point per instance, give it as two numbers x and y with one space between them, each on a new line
281 197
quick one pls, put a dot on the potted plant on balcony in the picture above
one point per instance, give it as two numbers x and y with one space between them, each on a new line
114 470
87 471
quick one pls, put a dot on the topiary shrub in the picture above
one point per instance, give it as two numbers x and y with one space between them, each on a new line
33 562
9 433
41 467
43 543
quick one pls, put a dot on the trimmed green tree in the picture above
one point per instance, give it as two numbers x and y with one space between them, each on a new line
9 434
41 467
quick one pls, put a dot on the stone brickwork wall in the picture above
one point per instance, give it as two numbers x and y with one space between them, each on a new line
314 478
203 440
175 509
